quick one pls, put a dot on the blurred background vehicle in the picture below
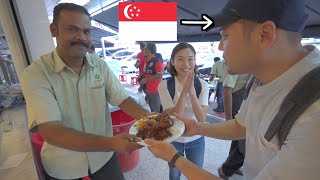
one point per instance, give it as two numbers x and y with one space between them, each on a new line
121 54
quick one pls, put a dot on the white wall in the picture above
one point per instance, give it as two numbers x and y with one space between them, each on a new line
33 18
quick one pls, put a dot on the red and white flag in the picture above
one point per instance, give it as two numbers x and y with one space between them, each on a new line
148 21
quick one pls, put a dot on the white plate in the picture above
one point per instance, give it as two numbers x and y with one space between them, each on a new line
177 130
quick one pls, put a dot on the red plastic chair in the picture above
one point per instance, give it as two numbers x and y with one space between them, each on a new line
37 142
123 78
134 80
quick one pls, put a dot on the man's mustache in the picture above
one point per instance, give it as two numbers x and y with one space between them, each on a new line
80 43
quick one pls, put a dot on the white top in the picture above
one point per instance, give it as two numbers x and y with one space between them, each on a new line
168 103
53 92
299 157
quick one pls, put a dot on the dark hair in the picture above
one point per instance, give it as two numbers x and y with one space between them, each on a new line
175 50
152 47
216 59
142 44
68 7
92 47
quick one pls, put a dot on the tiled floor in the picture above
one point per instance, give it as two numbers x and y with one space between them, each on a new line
150 167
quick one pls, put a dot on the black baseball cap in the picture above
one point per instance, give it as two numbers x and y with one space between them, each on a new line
286 14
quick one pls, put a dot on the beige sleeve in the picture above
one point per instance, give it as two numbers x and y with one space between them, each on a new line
40 98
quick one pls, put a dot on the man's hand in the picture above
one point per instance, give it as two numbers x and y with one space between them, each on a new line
143 81
192 127
137 64
125 143
161 149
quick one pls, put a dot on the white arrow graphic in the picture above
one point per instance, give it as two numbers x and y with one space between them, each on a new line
206 22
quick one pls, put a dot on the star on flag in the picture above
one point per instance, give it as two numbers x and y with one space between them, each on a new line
147 21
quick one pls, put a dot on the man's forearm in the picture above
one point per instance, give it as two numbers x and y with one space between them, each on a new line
227 102
155 77
132 108
211 77
228 130
193 172
68 138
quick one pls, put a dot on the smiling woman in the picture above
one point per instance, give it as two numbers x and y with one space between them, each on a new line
187 95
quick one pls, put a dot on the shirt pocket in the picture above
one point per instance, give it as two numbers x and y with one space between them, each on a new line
269 145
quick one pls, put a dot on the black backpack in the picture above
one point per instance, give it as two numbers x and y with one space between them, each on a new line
304 94
172 87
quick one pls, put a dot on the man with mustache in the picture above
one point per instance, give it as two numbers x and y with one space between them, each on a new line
67 92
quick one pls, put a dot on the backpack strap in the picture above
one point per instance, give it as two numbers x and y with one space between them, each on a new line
248 87
197 86
304 93
171 86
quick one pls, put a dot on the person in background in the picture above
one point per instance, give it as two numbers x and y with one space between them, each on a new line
217 71
263 38
67 93
234 87
186 101
141 60
152 77
159 56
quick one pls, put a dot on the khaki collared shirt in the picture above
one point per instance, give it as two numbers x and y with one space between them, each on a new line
218 69
54 92
236 82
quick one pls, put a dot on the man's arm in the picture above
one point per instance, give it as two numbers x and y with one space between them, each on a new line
79 141
166 151
153 78
132 108
158 76
229 82
212 76
228 130
192 171
227 102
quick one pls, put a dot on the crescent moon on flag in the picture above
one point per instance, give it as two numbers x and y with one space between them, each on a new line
125 11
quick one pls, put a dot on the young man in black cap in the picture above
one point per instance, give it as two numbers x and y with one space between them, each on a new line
263 38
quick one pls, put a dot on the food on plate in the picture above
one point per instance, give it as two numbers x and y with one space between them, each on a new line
155 127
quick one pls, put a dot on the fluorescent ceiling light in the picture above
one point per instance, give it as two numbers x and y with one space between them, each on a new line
103 27
79 2
95 13
105 7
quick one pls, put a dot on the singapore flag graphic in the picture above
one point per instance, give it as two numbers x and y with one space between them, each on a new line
148 21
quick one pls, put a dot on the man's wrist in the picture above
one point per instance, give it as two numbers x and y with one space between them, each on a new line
200 128
111 144
174 159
